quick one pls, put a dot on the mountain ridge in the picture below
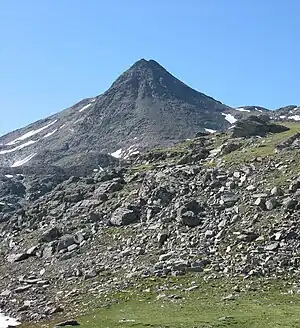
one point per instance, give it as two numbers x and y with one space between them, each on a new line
144 108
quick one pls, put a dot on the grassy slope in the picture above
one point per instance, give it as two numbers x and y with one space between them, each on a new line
264 147
264 304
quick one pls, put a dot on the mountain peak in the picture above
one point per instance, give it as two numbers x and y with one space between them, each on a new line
145 107
146 64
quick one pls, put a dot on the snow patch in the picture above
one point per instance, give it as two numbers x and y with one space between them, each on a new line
210 130
6 322
295 117
100 169
230 118
50 133
84 107
9 176
117 153
126 153
132 150
282 116
23 161
30 134
26 144
241 109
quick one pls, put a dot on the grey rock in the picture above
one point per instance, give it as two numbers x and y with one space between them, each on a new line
91 274
260 202
229 147
53 310
65 241
271 204
229 199
272 247
190 219
108 187
277 191
17 257
72 247
50 235
74 198
124 216
294 186
289 203
22 289
48 251
249 237
256 126
32 250
162 238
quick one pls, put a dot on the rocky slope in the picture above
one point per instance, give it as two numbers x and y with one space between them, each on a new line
145 107
215 205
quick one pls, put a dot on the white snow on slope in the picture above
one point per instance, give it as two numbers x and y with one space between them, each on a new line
6 322
132 150
230 118
210 130
50 133
28 143
295 117
23 161
30 134
9 176
282 116
117 153
85 107
241 109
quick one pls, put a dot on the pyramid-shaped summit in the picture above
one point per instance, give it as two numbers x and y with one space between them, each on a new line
152 79
145 107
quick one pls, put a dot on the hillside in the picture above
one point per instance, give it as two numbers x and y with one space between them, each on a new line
207 209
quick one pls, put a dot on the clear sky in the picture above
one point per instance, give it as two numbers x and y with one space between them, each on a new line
53 53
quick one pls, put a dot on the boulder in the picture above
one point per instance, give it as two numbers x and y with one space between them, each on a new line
17 257
50 235
124 216
256 126
65 242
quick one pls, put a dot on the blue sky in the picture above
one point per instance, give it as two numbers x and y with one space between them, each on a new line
55 52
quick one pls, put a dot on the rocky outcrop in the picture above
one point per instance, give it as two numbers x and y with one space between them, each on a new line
256 126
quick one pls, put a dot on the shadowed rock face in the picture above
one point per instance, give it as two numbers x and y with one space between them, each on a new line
256 126
145 107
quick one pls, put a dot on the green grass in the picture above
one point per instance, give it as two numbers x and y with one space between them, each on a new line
263 148
262 306
181 147
143 168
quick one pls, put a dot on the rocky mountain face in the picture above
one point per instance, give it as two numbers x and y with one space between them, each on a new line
145 107
288 113
219 205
